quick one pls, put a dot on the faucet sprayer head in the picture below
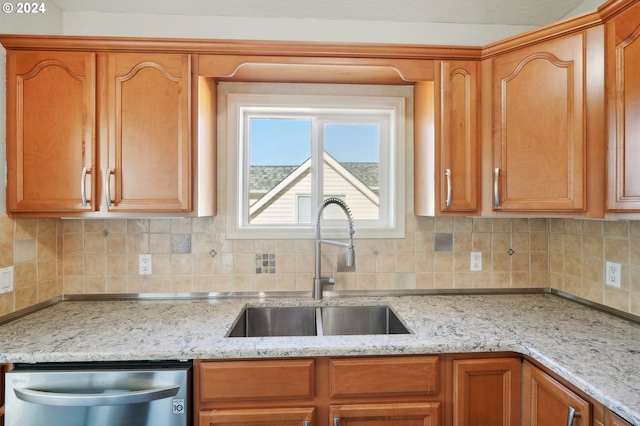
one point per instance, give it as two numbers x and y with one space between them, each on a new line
350 254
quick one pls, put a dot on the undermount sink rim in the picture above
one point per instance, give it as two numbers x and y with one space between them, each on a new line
400 327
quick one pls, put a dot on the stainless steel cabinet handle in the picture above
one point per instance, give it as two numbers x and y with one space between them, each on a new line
83 187
107 186
307 423
447 173
496 196
92 399
572 415
336 421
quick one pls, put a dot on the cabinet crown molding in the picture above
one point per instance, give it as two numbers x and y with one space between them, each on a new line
317 49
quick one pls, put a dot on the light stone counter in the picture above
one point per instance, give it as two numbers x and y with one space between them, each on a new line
595 351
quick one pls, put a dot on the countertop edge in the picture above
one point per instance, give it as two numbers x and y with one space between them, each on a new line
503 341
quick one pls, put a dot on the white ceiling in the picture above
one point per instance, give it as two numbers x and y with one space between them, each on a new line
492 12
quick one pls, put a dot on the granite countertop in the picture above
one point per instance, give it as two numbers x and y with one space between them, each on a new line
597 352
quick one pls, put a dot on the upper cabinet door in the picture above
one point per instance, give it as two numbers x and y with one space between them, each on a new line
50 131
148 164
623 105
457 135
539 143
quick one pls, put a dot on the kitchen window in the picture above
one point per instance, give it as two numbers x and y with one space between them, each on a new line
292 146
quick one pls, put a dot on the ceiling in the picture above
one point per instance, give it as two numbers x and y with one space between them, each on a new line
490 12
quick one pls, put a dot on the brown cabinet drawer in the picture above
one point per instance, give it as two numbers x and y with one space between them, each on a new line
405 414
256 380
384 376
257 417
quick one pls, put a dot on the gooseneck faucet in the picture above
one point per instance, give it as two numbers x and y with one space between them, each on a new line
318 281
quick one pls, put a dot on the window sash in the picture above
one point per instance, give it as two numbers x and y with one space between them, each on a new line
385 111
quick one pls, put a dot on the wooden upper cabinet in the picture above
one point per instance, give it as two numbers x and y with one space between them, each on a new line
50 131
108 135
457 172
539 142
148 109
622 60
545 401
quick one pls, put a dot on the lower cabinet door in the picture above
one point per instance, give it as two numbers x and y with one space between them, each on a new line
611 419
258 417
486 391
401 414
545 401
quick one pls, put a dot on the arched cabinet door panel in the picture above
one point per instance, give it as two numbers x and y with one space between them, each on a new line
623 106
539 142
457 138
148 111
50 131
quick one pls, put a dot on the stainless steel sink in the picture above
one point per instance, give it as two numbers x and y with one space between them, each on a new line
357 320
275 321
316 321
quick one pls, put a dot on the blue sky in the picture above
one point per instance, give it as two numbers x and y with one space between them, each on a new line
284 142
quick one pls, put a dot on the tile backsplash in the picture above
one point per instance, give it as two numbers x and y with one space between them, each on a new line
53 257
31 246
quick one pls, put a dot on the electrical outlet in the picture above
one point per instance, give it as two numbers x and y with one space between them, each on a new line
6 279
612 274
476 261
144 264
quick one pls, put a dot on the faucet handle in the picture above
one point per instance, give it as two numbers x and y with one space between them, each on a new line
327 281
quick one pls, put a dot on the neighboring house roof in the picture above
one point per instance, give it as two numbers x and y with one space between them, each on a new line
281 186
367 173
264 178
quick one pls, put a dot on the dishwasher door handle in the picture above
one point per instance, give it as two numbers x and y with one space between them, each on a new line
95 399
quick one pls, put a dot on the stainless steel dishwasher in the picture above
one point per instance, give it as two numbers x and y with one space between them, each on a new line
99 394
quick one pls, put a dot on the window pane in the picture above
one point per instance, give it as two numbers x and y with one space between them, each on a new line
352 166
279 169
304 209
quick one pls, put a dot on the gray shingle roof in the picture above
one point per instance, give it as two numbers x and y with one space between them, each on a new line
263 178
367 173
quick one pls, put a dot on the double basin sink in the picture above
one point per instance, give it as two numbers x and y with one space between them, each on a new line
316 321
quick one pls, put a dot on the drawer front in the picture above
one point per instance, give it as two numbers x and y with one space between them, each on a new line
411 414
385 376
257 380
258 417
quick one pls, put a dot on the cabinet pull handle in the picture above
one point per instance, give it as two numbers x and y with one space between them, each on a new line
447 173
107 186
83 186
336 421
572 415
307 423
496 196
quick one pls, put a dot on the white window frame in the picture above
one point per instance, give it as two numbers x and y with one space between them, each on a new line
240 100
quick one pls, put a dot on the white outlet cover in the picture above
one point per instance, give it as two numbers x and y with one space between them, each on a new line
144 264
476 261
6 279
612 274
